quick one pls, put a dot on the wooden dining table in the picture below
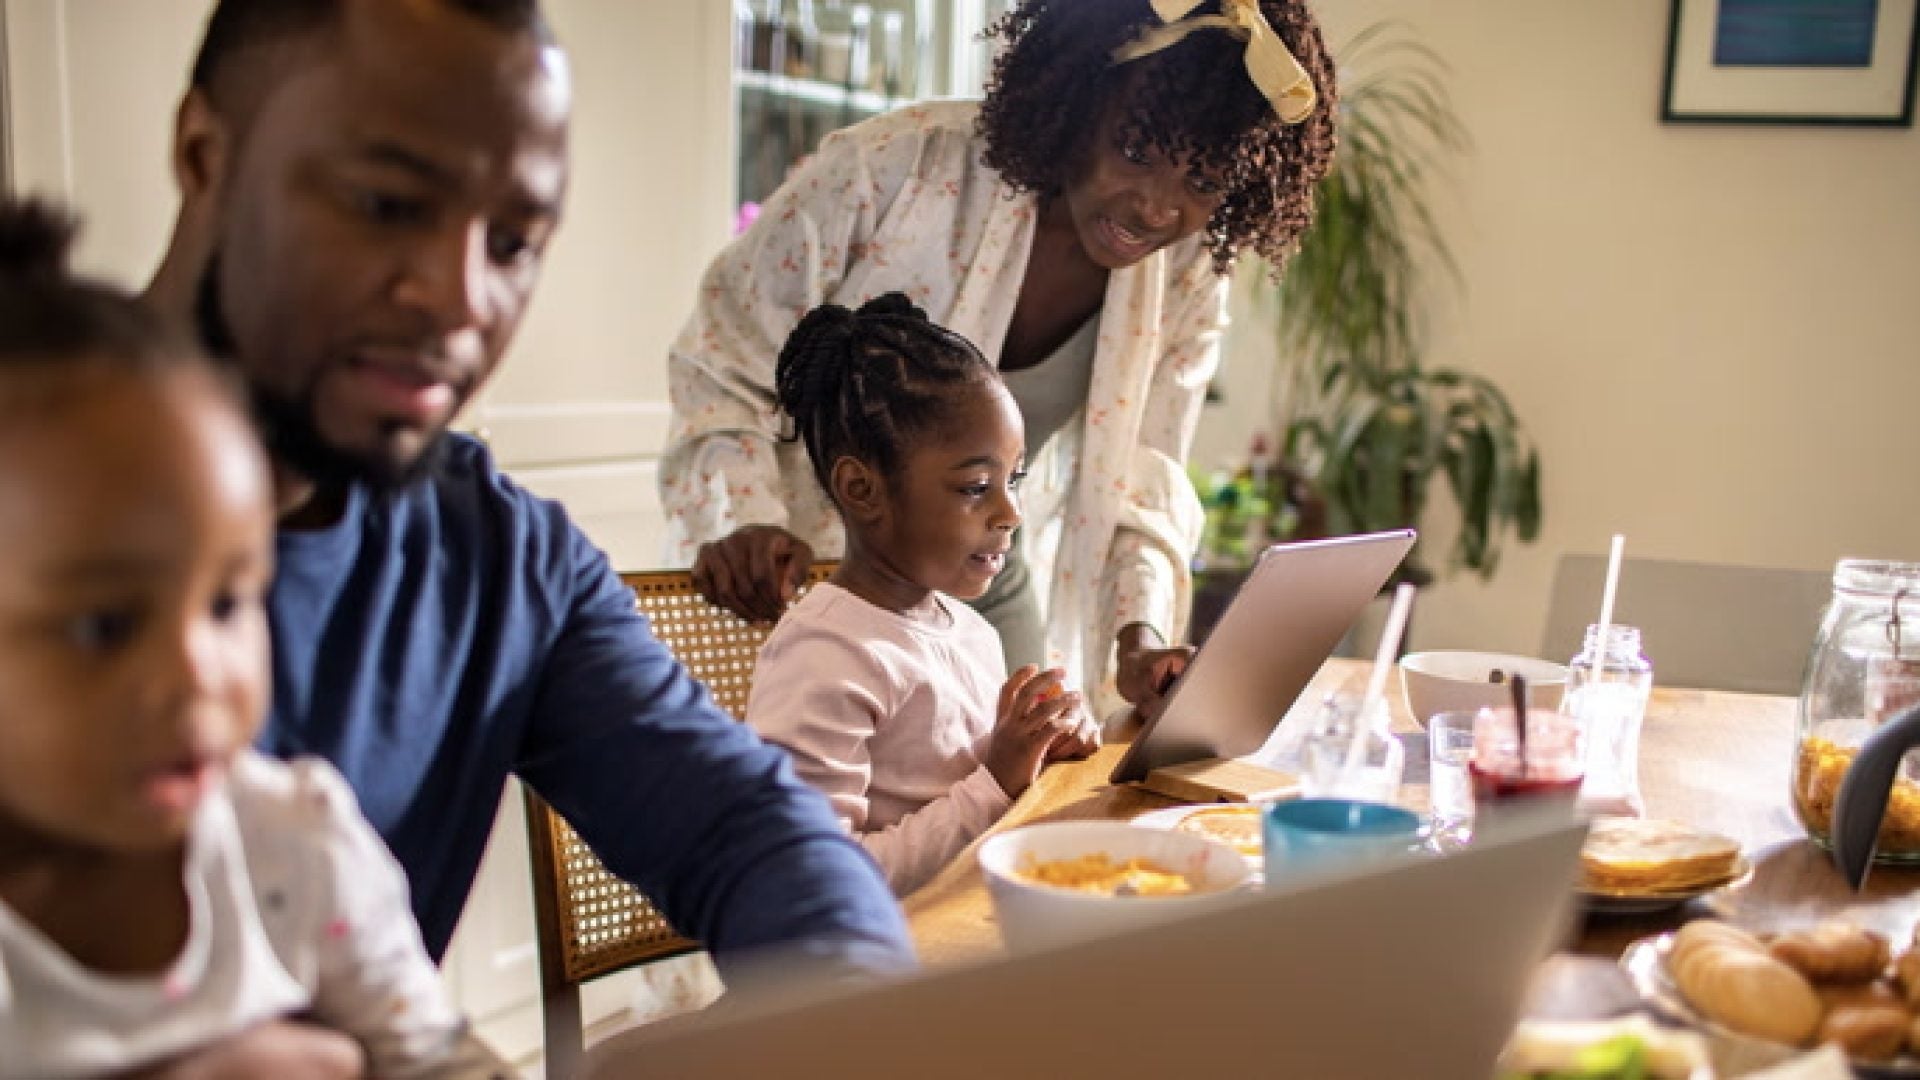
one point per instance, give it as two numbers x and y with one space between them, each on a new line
1712 759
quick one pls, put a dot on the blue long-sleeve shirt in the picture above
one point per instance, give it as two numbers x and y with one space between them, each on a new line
433 641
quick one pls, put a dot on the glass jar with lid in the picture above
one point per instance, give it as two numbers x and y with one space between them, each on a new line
1865 669
1607 689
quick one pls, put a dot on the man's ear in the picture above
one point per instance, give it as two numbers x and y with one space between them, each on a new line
203 149
860 492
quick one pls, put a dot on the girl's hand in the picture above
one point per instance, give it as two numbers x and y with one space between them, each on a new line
1145 667
753 571
1078 745
1034 712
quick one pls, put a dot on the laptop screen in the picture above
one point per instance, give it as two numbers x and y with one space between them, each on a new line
1413 967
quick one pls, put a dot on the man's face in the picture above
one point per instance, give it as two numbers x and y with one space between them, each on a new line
382 228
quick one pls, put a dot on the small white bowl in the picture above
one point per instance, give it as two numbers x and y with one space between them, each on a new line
1034 916
1455 680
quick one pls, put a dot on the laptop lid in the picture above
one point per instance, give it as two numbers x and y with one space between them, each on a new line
1415 967
1282 624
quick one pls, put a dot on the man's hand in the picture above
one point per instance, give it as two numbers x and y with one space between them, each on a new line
754 571
1145 667
283 1049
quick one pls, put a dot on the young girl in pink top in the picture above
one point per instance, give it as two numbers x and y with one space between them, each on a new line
891 696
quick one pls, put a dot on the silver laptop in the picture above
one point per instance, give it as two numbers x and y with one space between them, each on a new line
1415 967
1283 623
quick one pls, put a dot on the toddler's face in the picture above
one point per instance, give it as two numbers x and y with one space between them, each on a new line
137 526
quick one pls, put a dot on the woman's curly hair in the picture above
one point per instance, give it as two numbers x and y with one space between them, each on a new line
1192 101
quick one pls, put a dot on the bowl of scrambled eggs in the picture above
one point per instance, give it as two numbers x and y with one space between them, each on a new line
1066 880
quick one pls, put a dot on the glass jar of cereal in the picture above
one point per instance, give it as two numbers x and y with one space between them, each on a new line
1865 668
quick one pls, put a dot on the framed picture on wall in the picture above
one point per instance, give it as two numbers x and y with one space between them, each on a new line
1791 62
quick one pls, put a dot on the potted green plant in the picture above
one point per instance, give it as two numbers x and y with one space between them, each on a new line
1362 416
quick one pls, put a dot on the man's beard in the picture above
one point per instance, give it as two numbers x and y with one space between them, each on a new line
287 424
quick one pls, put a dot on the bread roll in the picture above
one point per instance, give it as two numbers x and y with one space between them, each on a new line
1748 991
1833 951
1869 1032
1708 931
1906 975
1702 931
1874 994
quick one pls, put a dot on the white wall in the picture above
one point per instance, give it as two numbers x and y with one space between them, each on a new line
651 198
91 93
1712 332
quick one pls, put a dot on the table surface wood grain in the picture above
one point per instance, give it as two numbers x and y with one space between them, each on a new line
1716 760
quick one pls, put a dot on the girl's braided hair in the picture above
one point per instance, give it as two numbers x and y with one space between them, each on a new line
1194 101
865 383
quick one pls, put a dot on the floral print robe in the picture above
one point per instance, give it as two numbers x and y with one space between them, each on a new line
904 202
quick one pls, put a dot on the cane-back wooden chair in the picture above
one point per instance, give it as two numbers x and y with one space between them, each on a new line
589 922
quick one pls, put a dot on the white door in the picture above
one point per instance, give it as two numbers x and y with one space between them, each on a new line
578 410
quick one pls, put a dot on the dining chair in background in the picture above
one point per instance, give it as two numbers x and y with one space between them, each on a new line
1711 626
588 922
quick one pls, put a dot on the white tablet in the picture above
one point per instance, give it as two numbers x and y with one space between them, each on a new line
1283 623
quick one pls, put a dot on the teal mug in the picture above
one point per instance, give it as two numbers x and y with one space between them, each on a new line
1318 834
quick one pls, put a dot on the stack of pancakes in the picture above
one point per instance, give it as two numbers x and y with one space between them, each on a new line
1236 825
1634 855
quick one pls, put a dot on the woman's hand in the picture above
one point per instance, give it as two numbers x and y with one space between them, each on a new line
1145 667
277 1048
754 571
1034 713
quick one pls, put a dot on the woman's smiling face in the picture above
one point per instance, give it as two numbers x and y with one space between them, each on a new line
1128 199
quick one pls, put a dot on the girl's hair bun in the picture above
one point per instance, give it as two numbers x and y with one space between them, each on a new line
34 239
893 303
828 322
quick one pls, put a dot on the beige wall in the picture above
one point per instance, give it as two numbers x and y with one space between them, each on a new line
1713 332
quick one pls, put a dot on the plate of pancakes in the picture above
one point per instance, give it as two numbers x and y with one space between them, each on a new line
1632 865
1236 825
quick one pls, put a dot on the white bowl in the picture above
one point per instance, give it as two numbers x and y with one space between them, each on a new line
1461 681
1033 915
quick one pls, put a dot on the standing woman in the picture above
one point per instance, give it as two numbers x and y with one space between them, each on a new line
1078 226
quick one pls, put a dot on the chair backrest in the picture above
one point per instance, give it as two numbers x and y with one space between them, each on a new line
1707 625
589 922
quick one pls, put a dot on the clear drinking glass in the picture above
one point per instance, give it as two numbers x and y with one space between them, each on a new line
1449 751
1338 767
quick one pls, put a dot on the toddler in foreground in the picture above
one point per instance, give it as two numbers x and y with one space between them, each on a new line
162 887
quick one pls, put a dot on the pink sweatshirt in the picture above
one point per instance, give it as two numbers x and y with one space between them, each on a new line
890 719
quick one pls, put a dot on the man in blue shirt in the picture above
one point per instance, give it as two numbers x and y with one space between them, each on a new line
368 187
